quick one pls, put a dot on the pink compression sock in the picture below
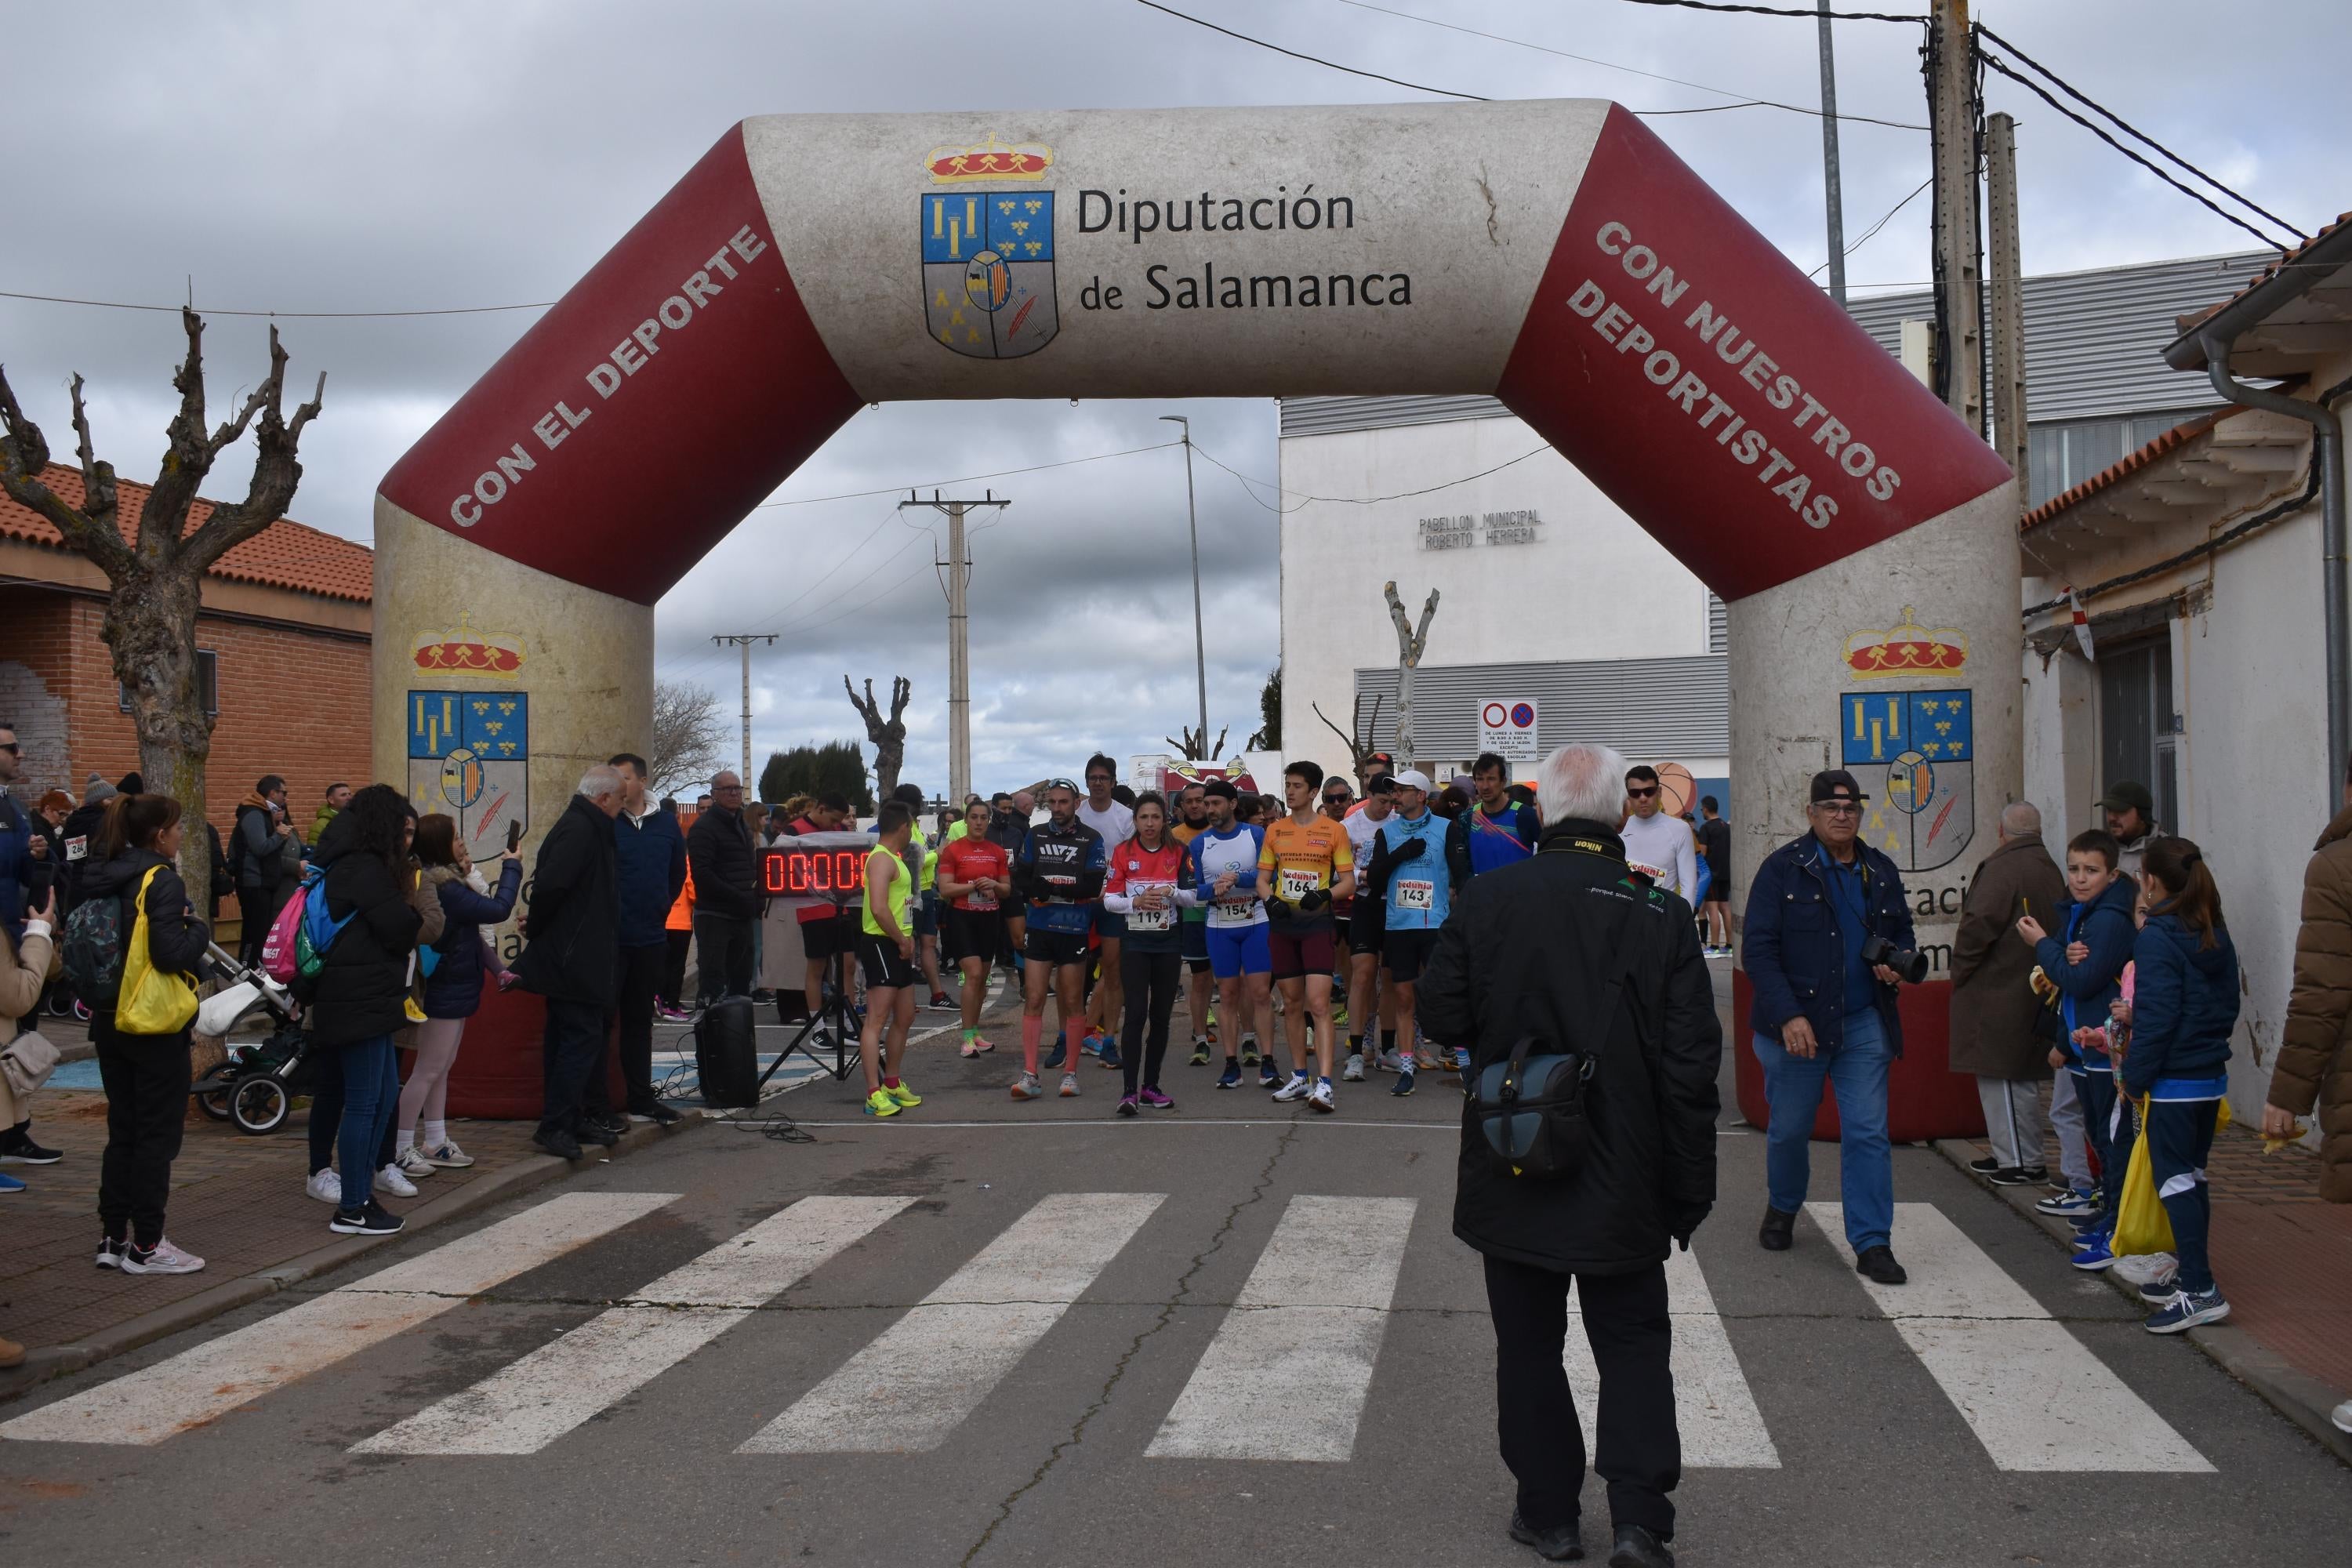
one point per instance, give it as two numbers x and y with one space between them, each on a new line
1032 1030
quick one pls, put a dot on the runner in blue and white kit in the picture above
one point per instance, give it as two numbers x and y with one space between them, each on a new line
1418 861
1224 873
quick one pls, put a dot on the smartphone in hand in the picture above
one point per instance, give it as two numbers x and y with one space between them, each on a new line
514 834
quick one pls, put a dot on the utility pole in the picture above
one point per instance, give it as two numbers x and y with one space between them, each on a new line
2009 411
1952 107
1192 524
1830 160
959 576
745 641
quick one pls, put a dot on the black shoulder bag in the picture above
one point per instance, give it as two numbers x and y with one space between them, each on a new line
1529 1107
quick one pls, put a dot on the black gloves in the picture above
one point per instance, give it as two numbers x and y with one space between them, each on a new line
1278 909
1409 850
1313 900
1682 1218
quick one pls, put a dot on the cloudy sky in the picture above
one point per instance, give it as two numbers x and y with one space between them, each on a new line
300 157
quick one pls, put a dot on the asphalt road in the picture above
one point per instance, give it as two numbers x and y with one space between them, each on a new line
1253 1340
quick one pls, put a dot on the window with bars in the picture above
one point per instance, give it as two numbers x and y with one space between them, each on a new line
207 685
2139 733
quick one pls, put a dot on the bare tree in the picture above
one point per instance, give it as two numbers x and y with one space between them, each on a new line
156 583
1188 746
1411 642
888 735
689 738
1361 745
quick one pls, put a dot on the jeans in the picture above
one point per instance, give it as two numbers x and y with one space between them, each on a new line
2012 1110
146 1079
1150 979
724 944
641 969
371 1095
327 1111
571 1048
2179 1139
1856 1072
1638 1446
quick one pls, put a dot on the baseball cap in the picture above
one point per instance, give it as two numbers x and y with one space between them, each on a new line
2125 795
1382 758
1412 778
1835 783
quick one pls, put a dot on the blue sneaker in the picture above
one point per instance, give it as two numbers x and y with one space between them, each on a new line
2072 1204
1061 1048
2093 1253
1403 1084
1232 1077
9 1183
2157 1292
1107 1052
2186 1309
1268 1074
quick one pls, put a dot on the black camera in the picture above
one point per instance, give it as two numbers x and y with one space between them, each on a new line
1908 963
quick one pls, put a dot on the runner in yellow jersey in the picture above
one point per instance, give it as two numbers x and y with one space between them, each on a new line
1306 864
886 948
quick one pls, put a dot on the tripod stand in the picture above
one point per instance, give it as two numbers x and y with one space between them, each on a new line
833 1013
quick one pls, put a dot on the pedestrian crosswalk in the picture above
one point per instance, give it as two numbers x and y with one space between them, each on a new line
1288 1373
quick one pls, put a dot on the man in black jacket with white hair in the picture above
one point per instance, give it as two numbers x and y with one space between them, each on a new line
1532 951
571 955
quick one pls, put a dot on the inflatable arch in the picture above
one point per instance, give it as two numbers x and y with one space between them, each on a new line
1555 254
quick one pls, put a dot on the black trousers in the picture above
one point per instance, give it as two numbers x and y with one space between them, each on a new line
1152 980
641 972
257 911
725 944
146 1079
673 980
1639 1452
572 1049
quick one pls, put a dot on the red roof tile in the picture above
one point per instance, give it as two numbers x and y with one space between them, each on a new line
2172 440
2186 324
286 555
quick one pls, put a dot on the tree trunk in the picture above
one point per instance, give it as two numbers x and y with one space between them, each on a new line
151 626
1411 642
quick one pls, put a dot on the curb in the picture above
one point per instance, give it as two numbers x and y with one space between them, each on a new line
2297 1396
535 1171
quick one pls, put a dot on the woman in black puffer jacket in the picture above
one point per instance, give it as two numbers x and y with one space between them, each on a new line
363 991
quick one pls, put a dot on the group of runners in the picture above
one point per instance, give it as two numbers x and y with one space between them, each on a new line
1113 902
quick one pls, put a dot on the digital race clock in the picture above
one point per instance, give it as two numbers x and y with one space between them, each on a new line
818 866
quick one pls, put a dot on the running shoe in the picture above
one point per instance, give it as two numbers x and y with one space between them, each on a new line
110 1252
449 1157
163 1258
978 1044
2019 1177
941 1002
1354 1071
2096 1253
2072 1203
1108 1055
1025 1087
1295 1090
1460 1060
904 1094
1199 1051
880 1103
17 1147
1403 1084
1069 1085
1391 1062
1320 1097
1423 1061
373 1220
1127 1105
1339 1012
412 1163
1054 1057
2159 1292
1984 1167
1268 1074
1151 1096
1090 1044
1232 1077
670 1015
1249 1050
2146 1268
9 1183
2186 1309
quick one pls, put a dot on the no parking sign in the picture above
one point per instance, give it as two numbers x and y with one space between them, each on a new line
1508 728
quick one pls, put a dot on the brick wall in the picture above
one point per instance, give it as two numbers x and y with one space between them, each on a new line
293 703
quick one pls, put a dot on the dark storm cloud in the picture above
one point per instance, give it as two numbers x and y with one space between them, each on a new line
310 157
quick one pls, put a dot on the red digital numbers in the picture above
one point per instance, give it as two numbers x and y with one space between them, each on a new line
800 873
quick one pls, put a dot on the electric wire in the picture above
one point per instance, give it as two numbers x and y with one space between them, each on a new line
1807 15
1354 500
288 315
1872 233
2080 97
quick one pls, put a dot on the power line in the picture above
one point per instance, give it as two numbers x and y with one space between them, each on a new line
1809 15
288 315
966 479
2078 96
1632 70
1873 232
2005 68
1358 501
1312 59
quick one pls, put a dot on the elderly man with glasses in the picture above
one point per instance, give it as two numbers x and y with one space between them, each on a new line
1825 1015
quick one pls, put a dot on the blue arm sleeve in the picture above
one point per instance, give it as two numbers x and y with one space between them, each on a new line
1776 1002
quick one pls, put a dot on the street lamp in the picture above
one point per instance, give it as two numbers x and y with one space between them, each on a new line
1192 524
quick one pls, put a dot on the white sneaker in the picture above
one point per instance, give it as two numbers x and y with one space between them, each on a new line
1391 1062
412 1163
393 1181
326 1186
1295 1090
1069 1085
161 1259
1319 1097
448 1157
1354 1071
2342 1417
2145 1269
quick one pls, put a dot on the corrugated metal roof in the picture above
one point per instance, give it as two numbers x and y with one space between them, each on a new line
2094 345
1646 708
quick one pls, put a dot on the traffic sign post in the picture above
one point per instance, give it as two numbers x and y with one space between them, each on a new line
1506 727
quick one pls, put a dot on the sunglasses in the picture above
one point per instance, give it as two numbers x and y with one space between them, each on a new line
1839 808
12 748
1337 797
1633 794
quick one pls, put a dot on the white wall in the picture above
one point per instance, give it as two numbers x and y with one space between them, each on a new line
1593 585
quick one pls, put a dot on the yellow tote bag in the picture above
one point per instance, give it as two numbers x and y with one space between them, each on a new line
2141 1225
150 1002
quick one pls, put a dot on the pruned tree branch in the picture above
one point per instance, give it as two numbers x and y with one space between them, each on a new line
275 471
24 452
1189 747
1411 642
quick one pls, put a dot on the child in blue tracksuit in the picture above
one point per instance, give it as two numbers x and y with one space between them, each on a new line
2184 1007
2086 966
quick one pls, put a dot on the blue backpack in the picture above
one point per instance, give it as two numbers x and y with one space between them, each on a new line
316 934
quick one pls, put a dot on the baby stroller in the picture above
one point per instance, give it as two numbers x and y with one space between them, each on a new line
256 1087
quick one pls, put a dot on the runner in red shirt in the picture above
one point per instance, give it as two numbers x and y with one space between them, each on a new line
975 876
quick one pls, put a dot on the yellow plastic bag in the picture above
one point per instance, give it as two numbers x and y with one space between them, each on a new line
2141 1225
151 1001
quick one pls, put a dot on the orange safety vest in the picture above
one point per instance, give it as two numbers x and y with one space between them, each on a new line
681 913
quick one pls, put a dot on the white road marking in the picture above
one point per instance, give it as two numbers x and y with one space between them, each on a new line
1286 1375
1721 1427
204 1383
2035 1394
909 1389
530 1403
